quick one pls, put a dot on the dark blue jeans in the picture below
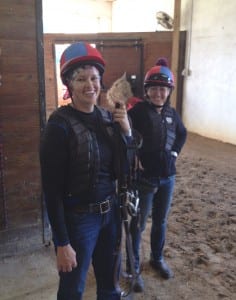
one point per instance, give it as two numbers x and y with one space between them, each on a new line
94 238
159 204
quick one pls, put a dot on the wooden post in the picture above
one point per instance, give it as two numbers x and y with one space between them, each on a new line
175 49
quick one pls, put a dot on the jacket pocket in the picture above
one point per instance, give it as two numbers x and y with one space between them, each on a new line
169 164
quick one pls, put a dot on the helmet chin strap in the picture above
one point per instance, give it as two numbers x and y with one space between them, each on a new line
158 106
155 105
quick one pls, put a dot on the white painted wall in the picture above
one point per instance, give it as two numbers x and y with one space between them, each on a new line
91 16
210 92
77 16
139 15
209 104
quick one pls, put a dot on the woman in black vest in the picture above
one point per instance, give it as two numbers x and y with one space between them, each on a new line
78 164
163 136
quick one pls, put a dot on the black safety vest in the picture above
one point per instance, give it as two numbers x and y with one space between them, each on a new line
84 158
160 132
166 127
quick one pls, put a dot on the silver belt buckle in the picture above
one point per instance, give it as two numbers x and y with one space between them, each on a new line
104 206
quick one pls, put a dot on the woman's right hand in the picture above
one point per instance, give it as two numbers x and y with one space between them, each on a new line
66 258
138 164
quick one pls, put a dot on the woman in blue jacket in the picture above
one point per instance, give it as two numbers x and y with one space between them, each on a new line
163 136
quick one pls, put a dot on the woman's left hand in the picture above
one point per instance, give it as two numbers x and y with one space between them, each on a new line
120 116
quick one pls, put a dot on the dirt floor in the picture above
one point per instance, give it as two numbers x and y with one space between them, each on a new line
201 238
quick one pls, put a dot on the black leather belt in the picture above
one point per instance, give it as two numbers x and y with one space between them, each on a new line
101 208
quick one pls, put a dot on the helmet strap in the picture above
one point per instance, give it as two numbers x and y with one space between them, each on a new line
158 106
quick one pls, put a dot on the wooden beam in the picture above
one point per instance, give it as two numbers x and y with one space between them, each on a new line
175 49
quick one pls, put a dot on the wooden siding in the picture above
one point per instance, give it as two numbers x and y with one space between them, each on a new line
20 123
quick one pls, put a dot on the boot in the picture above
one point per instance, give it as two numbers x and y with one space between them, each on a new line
162 268
138 285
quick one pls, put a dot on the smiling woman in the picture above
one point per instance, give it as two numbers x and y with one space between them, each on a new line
79 171
63 95
85 85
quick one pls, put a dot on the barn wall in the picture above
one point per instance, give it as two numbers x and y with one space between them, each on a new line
119 51
209 94
20 212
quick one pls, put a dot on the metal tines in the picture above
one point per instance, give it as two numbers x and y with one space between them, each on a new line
132 202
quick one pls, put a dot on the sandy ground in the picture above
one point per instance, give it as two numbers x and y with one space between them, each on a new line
201 238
